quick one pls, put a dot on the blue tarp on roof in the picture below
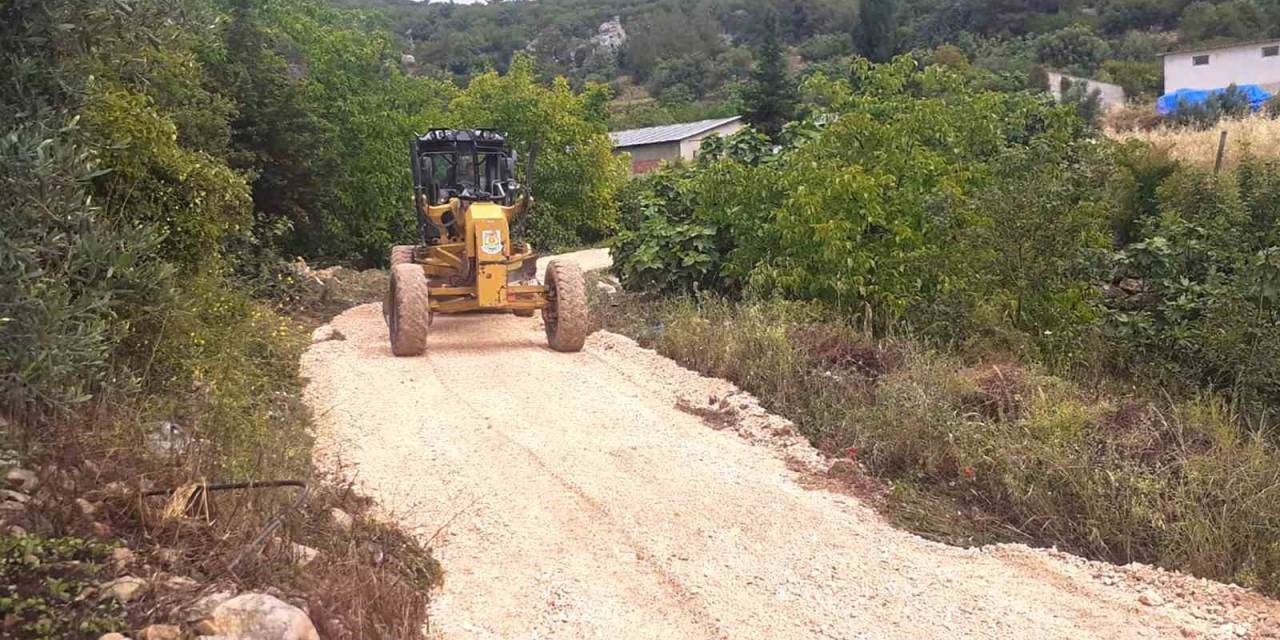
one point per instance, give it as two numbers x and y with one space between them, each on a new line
1169 102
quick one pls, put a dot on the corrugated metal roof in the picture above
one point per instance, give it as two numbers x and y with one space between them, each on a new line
1229 45
666 133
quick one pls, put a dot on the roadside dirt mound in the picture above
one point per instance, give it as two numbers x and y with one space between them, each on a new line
612 493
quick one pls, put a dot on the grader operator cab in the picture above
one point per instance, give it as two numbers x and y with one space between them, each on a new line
467 198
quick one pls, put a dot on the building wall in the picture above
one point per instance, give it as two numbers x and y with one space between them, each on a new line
647 157
1242 64
689 146
1110 95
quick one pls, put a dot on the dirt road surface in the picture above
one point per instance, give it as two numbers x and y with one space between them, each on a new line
579 496
588 259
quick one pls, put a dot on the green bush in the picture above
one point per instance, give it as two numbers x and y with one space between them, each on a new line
1023 254
1231 102
1230 20
1087 103
119 216
669 257
858 212
1138 79
1207 273
50 584
686 227
224 369
195 201
825 46
74 280
1075 49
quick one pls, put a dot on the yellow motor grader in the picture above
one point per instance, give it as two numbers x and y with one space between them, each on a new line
466 198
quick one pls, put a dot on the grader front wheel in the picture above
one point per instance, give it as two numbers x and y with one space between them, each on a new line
407 310
401 254
565 315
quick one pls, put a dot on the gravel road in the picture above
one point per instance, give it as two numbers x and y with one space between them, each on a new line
588 259
583 496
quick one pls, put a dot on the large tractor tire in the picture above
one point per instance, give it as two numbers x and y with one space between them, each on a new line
407 310
565 315
402 254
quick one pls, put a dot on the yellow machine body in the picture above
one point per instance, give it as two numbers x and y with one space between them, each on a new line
465 197
476 266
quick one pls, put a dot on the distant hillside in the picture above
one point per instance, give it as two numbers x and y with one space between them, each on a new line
681 59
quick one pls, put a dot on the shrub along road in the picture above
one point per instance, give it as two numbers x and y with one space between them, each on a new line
613 494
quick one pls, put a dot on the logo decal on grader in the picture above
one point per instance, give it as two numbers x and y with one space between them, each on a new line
491 242
466 196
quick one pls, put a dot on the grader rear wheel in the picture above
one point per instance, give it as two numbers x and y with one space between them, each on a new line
407 310
565 315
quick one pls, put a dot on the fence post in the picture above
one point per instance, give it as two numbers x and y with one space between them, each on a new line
1222 148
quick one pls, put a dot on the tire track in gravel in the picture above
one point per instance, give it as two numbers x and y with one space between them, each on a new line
582 503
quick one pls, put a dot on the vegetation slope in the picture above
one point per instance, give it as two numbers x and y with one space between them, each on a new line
685 60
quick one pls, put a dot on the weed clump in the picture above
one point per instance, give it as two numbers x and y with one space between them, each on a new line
49 587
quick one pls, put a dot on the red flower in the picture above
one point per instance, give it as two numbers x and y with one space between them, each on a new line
852 451
967 471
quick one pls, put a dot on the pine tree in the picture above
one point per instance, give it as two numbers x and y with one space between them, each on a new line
770 97
874 37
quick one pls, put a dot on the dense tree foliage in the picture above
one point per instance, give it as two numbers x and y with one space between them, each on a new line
325 110
686 60
877 29
576 173
919 200
154 153
768 100
122 219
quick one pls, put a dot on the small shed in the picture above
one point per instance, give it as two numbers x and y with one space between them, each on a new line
651 145
1256 62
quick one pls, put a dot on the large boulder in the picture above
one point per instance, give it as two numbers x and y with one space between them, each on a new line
610 37
202 608
257 616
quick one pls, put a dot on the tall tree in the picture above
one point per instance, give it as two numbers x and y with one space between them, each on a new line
769 99
874 37
278 139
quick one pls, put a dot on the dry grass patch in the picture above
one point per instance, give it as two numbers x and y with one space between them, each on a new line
1257 135
94 499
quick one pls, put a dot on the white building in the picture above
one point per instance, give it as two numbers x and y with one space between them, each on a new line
1110 95
651 145
1219 67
